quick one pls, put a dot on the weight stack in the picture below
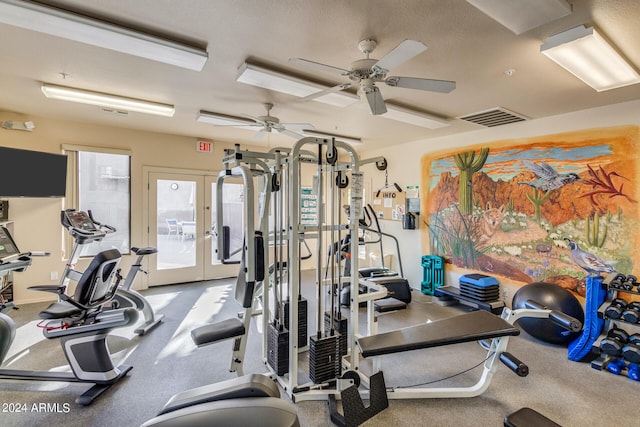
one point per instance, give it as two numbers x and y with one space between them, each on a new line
278 348
324 360
302 320
340 326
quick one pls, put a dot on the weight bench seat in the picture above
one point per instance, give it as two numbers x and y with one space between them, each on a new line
527 417
208 334
474 326
387 305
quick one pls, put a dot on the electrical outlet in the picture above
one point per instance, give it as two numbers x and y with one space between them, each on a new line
54 275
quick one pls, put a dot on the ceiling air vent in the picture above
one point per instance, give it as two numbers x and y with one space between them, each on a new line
493 117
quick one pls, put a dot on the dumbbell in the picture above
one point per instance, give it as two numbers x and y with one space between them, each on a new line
616 366
615 309
633 371
631 350
614 341
632 313
629 282
616 281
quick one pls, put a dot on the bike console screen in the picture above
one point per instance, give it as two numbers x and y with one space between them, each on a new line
80 220
8 248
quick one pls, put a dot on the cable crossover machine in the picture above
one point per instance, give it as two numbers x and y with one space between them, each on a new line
293 198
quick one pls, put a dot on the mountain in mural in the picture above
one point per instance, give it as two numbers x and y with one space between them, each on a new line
567 203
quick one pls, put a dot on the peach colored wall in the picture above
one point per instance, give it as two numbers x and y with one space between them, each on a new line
36 221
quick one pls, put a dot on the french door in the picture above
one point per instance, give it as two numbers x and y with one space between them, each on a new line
181 218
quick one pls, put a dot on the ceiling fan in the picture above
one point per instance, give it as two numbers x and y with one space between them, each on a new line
368 71
264 124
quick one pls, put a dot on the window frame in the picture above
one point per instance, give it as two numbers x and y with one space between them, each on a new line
72 198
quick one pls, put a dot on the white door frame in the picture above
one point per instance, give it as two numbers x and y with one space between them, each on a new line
204 270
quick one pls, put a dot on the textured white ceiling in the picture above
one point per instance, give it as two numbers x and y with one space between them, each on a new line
464 45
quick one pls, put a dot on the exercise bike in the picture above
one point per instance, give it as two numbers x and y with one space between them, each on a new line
79 321
85 230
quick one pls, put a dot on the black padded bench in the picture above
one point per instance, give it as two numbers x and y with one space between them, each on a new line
387 305
474 326
527 417
209 334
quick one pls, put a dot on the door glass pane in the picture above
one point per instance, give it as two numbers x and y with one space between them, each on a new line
176 219
232 195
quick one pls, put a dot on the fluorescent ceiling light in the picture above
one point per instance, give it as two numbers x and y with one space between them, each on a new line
106 100
406 115
523 15
588 56
268 79
61 23
219 119
343 138
222 119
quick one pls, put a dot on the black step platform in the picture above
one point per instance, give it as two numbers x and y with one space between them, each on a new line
474 326
480 287
451 292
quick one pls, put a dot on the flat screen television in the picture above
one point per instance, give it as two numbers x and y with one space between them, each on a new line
25 173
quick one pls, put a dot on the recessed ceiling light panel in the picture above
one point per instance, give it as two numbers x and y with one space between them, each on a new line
587 55
523 15
273 80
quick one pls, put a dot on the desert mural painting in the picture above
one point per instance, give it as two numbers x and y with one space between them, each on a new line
553 208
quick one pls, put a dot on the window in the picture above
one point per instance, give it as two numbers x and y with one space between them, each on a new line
100 183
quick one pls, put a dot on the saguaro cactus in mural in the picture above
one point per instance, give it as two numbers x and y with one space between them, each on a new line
592 228
468 164
537 199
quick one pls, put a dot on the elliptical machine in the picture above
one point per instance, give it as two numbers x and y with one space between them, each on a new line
85 229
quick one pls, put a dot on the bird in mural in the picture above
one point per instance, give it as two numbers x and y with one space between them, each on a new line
589 262
548 177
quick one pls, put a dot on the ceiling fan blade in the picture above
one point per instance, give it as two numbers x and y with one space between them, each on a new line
443 86
255 119
318 66
297 125
401 53
290 133
376 102
337 88
247 126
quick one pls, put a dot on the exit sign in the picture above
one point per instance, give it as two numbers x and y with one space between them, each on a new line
203 146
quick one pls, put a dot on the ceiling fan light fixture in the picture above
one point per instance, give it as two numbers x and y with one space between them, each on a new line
72 26
412 117
107 100
273 80
587 55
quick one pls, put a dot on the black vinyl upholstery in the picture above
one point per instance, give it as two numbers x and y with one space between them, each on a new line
96 286
474 326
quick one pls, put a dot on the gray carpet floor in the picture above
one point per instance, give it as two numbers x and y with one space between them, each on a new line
166 362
